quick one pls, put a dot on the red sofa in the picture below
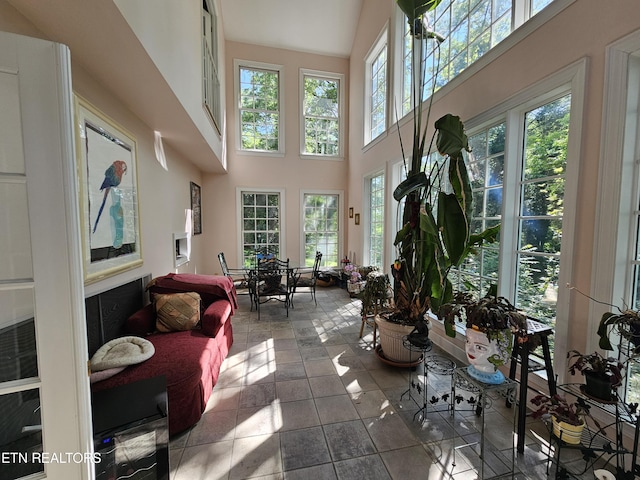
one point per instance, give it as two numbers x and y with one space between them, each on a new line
190 360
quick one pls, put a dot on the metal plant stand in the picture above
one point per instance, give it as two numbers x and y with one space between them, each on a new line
435 364
463 381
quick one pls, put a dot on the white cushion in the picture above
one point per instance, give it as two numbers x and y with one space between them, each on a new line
121 352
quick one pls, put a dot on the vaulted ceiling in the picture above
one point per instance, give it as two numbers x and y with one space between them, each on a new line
326 26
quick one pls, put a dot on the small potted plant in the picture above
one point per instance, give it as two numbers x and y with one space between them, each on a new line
626 324
603 375
355 282
491 321
567 418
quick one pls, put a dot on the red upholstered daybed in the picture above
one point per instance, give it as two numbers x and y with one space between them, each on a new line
190 360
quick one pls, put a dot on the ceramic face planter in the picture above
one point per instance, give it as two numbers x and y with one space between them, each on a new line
485 356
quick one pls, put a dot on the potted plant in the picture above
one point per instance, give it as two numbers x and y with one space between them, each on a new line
603 375
354 282
567 418
626 324
435 233
491 322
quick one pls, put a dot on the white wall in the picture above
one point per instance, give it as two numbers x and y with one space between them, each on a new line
171 34
164 195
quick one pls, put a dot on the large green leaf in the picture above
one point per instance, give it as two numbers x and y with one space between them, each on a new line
451 137
454 225
428 223
414 8
410 184
459 179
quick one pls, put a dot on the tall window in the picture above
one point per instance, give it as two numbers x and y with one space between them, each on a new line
321 227
321 114
486 172
542 187
210 68
376 220
619 199
470 29
259 100
376 89
261 224
525 193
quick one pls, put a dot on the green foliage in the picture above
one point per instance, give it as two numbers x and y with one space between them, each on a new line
414 9
437 205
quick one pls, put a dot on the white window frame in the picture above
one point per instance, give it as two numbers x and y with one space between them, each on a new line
211 91
382 42
366 217
614 242
522 27
239 218
340 194
571 79
237 64
341 122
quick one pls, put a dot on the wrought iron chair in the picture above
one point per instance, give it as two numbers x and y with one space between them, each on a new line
240 277
271 280
304 279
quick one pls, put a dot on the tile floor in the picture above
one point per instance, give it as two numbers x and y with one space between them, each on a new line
304 397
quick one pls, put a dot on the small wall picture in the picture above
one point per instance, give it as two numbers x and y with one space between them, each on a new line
350 212
357 219
196 209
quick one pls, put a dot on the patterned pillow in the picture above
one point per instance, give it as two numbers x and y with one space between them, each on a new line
177 311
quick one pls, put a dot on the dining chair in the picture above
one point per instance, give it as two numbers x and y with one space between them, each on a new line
271 280
304 280
239 276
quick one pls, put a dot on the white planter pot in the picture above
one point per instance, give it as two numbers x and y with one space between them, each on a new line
486 355
390 337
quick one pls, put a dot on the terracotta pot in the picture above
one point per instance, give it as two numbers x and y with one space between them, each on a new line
390 338
566 432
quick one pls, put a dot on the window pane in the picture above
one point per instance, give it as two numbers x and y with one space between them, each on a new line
486 169
260 224
259 109
321 115
537 290
18 337
541 207
541 235
378 100
21 435
321 224
376 217
544 198
470 28
547 133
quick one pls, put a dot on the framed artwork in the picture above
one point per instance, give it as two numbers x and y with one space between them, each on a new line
350 212
108 180
196 211
357 219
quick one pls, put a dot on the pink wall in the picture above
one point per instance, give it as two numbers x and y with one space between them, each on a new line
289 172
582 30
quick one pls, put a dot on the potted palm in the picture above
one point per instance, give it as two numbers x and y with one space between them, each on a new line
603 375
492 323
435 233
567 418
